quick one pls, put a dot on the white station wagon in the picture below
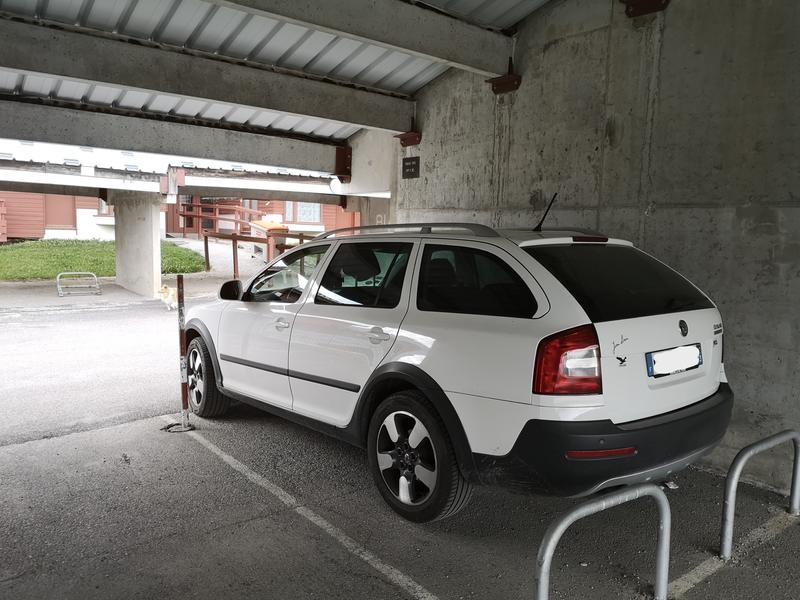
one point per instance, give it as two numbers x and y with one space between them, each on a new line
558 362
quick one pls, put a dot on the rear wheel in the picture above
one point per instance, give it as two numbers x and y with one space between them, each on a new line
205 399
412 460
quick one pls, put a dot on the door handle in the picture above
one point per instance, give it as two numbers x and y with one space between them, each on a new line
281 324
378 335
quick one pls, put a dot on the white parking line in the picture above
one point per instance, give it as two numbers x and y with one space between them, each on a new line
759 536
394 576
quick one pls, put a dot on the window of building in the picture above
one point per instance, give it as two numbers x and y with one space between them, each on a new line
302 212
365 274
470 281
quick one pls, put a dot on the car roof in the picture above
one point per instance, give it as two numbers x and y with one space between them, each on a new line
519 236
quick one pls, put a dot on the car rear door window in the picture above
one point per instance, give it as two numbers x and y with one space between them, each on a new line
615 282
458 279
365 274
287 279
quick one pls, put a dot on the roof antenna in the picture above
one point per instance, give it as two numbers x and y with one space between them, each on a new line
544 216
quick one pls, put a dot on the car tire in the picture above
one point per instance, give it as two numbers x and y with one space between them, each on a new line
205 400
412 460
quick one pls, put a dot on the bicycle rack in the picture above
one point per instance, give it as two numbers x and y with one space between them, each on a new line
553 534
76 282
732 484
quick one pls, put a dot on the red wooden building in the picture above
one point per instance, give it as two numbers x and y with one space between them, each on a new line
38 216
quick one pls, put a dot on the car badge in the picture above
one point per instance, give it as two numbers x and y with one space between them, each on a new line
683 327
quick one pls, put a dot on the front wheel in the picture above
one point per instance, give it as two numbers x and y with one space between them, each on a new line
205 399
412 460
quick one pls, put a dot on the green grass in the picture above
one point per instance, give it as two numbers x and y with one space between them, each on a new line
44 259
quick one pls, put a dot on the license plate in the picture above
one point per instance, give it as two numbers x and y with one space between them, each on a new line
674 360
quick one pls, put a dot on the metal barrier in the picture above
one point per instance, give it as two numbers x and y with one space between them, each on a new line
553 534
184 425
77 282
732 482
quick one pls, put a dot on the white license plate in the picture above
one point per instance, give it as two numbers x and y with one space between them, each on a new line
674 360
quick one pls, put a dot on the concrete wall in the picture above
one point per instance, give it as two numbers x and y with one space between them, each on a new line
680 131
373 168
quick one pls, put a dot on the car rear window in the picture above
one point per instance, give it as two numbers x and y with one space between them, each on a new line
618 282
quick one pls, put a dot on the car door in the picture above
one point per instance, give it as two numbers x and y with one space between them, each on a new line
347 325
480 312
254 331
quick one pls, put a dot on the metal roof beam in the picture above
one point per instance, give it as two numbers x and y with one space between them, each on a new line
252 194
99 59
397 25
34 122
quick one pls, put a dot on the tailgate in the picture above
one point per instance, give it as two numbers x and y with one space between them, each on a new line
650 367
660 337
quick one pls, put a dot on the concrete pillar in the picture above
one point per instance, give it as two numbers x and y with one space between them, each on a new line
138 241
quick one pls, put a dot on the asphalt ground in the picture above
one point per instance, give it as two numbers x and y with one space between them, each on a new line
97 502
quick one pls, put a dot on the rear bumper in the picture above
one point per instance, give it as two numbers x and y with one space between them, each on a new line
664 444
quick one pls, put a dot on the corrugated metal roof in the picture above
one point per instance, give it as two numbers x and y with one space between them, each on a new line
205 26
493 14
26 84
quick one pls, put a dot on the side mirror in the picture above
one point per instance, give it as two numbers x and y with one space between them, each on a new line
231 290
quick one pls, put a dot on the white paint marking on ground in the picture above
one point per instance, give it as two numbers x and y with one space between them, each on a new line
758 537
393 575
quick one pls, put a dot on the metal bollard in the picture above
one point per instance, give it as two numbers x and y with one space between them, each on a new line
184 425
553 534
732 483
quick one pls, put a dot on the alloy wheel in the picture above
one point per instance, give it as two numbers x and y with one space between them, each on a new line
194 372
406 458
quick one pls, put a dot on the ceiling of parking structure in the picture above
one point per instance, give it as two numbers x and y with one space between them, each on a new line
229 32
19 83
493 14
234 33
224 31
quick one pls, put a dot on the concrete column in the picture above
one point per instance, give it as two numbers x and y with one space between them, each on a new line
138 241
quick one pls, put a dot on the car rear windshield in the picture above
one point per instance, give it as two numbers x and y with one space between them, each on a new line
618 282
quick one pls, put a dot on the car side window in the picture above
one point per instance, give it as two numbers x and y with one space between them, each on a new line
465 280
287 279
365 274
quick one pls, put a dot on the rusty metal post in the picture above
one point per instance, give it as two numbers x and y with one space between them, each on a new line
235 257
205 251
184 425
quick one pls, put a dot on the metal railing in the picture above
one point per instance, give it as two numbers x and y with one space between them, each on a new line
553 534
77 282
268 239
732 483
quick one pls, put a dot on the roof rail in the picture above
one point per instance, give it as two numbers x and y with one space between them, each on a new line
478 230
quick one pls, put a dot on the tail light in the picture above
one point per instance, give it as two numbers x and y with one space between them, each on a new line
568 362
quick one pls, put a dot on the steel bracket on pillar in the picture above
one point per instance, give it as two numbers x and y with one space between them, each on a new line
344 164
409 138
638 8
509 82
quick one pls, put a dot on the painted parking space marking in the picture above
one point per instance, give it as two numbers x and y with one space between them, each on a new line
757 537
392 574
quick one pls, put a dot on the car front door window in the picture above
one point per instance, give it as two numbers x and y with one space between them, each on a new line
286 280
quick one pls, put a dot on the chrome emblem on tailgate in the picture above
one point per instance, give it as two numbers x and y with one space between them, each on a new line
683 327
